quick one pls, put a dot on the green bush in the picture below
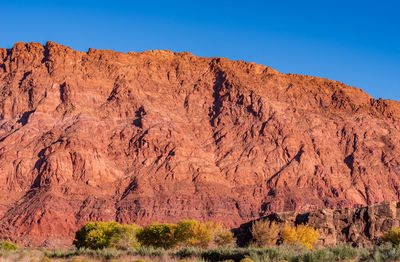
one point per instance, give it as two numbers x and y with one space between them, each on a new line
191 233
99 235
125 237
158 235
187 232
6 245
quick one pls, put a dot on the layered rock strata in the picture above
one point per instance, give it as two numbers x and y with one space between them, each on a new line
359 227
160 136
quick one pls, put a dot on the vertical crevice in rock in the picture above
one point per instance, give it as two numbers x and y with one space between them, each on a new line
218 87
139 114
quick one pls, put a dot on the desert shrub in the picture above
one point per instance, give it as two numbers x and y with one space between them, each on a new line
343 252
98 254
293 253
158 235
265 233
220 254
302 234
266 254
223 237
315 256
231 253
186 252
6 245
393 236
147 251
60 253
99 235
385 252
290 252
107 253
68 253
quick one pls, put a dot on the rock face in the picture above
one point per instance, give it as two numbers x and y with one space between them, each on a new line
359 227
160 136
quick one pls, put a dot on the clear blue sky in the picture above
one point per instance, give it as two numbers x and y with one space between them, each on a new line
355 41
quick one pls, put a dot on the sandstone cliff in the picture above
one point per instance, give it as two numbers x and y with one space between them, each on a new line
359 227
101 135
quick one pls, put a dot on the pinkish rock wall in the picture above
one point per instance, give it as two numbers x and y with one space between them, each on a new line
160 136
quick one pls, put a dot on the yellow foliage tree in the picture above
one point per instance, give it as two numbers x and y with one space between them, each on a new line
203 233
193 233
392 236
303 234
265 232
223 237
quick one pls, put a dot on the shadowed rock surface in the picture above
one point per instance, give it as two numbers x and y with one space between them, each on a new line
359 227
160 136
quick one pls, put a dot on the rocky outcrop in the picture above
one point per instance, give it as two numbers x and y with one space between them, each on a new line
160 136
359 227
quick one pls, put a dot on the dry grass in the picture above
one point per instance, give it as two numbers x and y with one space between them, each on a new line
73 255
290 253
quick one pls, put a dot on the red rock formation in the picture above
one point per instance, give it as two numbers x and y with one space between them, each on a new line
163 136
359 227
